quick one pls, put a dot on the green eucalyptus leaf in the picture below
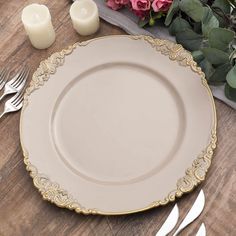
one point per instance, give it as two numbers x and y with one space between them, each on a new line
215 56
193 8
174 8
209 21
178 25
223 5
231 77
220 73
207 68
197 56
230 92
221 38
189 39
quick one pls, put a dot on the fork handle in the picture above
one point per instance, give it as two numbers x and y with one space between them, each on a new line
6 92
3 95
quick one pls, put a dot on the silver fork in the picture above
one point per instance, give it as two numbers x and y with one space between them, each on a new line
3 77
13 104
16 83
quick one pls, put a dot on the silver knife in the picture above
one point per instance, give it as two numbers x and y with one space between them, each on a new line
170 222
202 230
193 213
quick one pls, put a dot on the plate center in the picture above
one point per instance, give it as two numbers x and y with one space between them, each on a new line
118 123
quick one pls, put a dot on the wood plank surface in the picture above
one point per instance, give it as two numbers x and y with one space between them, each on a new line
22 210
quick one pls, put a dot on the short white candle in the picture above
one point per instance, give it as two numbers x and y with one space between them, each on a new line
84 16
37 22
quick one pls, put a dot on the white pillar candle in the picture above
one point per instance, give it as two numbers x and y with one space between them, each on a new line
37 22
84 16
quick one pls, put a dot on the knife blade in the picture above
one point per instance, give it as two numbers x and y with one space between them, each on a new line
202 230
193 213
170 222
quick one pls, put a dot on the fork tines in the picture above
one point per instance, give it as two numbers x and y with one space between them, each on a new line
18 98
3 77
19 77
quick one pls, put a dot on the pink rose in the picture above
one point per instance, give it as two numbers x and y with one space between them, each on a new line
116 4
141 5
161 5
141 14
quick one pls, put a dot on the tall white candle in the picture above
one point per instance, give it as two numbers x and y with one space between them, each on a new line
84 16
37 22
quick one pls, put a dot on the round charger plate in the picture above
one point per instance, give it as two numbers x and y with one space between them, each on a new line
118 125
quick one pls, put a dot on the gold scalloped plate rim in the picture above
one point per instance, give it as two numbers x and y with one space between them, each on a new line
194 175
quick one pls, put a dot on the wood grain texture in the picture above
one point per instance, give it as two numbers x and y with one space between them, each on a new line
22 210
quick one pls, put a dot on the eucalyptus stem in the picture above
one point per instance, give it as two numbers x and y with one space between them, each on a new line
232 3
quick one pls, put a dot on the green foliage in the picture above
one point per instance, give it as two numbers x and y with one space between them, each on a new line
193 8
220 38
230 92
198 56
215 56
231 77
220 73
179 24
206 28
207 67
209 21
223 5
172 11
189 39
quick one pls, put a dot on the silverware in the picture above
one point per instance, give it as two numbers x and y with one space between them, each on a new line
16 83
202 230
3 77
13 104
193 213
170 222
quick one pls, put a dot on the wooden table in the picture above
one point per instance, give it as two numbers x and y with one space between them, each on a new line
22 210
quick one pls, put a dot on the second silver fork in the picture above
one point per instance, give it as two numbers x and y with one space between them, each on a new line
13 104
16 83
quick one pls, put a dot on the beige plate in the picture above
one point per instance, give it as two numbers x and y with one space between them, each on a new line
117 124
